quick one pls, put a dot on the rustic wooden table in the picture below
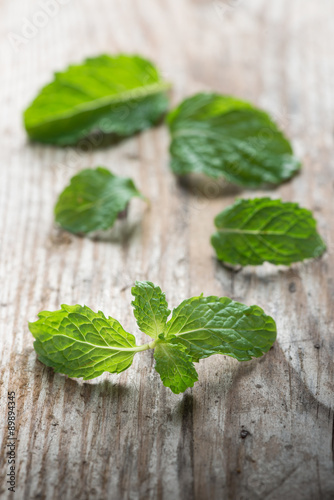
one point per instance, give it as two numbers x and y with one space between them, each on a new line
127 436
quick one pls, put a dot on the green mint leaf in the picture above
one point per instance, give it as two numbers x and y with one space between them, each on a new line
219 135
78 342
93 200
150 308
175 367
217 325
251 232
120 95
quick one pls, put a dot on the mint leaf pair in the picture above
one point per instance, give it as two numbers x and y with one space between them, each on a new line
120 95
81 343
211 134
250 232
220 135
93 200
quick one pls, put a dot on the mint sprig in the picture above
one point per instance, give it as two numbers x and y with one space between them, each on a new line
81 343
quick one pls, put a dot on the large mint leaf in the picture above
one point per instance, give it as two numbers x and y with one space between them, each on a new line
150 308
217 325
121 95
258 230
81 343
175 367
93 200
219 135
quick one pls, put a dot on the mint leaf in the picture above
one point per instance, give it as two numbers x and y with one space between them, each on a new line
81 343
217 325
175 367
219 135
93 200
251 232
113 94
150 308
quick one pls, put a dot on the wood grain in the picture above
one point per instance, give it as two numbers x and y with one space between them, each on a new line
256 430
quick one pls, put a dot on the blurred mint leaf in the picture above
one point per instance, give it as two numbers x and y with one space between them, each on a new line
250 232
120 94
220 135
93 200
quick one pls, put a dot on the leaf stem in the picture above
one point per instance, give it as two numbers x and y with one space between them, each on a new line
149 345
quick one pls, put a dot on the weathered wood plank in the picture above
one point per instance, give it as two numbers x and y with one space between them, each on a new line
257 430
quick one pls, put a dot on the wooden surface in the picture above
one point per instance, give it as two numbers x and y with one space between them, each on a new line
127 436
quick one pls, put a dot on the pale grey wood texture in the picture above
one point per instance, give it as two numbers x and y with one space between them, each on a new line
128 437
